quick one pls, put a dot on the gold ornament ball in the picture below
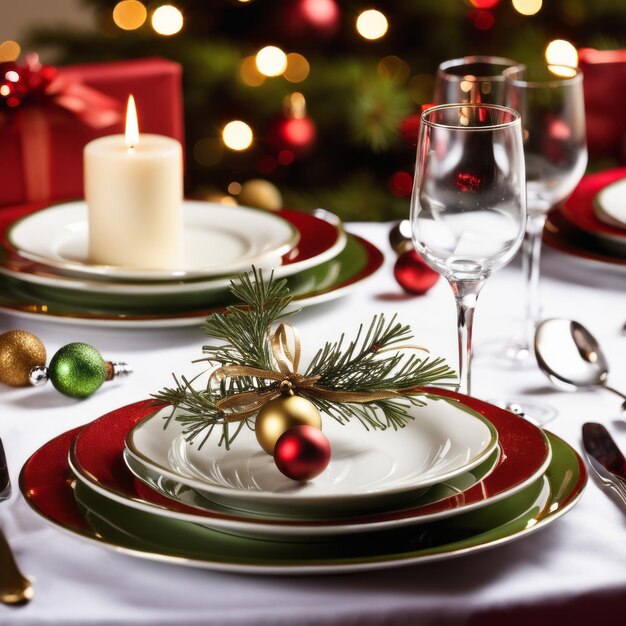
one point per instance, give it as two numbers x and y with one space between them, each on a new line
261 194
19 353
281 414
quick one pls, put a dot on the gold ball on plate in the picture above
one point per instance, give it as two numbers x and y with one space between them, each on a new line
261 194
19 353
281 414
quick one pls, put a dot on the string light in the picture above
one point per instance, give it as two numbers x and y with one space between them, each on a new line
237 135
371 24
9 51
129 14
249 72
271 61
561 52
167 20
298 68
527 7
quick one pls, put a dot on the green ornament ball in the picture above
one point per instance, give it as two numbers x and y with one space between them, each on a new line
77 370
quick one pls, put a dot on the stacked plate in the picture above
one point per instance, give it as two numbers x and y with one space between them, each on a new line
591 225
45 270
462 476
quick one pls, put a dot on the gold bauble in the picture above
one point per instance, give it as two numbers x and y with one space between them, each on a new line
280 415
261 194
19 353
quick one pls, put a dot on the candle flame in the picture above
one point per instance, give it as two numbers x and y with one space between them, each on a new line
132 125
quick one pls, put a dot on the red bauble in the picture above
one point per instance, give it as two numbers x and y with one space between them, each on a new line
302 452
296 134
306 18
413 275
409 128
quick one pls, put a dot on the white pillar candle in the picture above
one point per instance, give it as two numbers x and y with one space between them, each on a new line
134 191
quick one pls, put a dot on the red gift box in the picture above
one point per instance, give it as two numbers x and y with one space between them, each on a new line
54 138
604 73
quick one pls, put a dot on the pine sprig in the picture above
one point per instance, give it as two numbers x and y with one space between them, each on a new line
245 329
379 359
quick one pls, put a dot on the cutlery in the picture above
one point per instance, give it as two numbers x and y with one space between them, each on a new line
605 458
15 588
570 356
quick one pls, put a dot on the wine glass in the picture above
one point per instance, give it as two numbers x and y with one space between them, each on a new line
551 103
468 208
472 79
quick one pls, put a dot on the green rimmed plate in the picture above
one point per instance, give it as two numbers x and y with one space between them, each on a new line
334 278
46 485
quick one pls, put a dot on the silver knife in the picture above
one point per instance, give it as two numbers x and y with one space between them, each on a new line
605 458
5 481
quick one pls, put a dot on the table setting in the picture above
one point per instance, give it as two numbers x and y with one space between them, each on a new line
288 430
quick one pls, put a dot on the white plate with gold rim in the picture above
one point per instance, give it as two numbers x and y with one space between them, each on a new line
366 469
217 240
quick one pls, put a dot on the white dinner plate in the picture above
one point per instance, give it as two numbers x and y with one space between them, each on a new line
367 469
610 206
217 240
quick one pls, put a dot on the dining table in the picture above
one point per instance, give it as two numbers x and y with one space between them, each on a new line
571 572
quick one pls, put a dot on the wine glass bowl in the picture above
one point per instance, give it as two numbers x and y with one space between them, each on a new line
468 208
478 78
551 103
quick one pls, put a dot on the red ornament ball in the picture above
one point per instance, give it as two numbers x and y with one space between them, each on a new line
302 452
296 134
412 273
409 128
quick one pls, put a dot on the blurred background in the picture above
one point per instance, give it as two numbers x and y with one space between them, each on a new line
319 99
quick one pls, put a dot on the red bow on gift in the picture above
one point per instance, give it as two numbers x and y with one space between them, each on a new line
32 93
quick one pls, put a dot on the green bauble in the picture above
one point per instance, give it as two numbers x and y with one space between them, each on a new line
77 370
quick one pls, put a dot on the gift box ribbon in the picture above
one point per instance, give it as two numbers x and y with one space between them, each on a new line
42 96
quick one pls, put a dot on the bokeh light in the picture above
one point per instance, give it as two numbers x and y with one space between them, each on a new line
394 68
249 72
322 13
527 7
237 135
208 151
484 4
271 61
297 69
9 51
167 20
129 14
483 20
421 88
234 188
371 24
561 52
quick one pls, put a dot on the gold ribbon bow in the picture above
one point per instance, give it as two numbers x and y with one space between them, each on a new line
240 406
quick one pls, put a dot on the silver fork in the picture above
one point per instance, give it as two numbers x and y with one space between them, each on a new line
15 588
610 481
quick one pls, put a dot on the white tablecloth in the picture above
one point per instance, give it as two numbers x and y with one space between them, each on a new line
572 571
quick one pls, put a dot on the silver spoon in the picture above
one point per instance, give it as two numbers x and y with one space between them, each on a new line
571 357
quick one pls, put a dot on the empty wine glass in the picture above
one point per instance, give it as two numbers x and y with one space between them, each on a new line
551 103
468 208
473 79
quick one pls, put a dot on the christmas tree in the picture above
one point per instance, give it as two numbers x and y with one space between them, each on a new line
320 97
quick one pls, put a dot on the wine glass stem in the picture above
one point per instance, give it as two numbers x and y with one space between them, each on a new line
465 293
531 257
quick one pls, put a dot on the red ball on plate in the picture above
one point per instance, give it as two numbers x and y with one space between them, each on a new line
302 452
413 275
